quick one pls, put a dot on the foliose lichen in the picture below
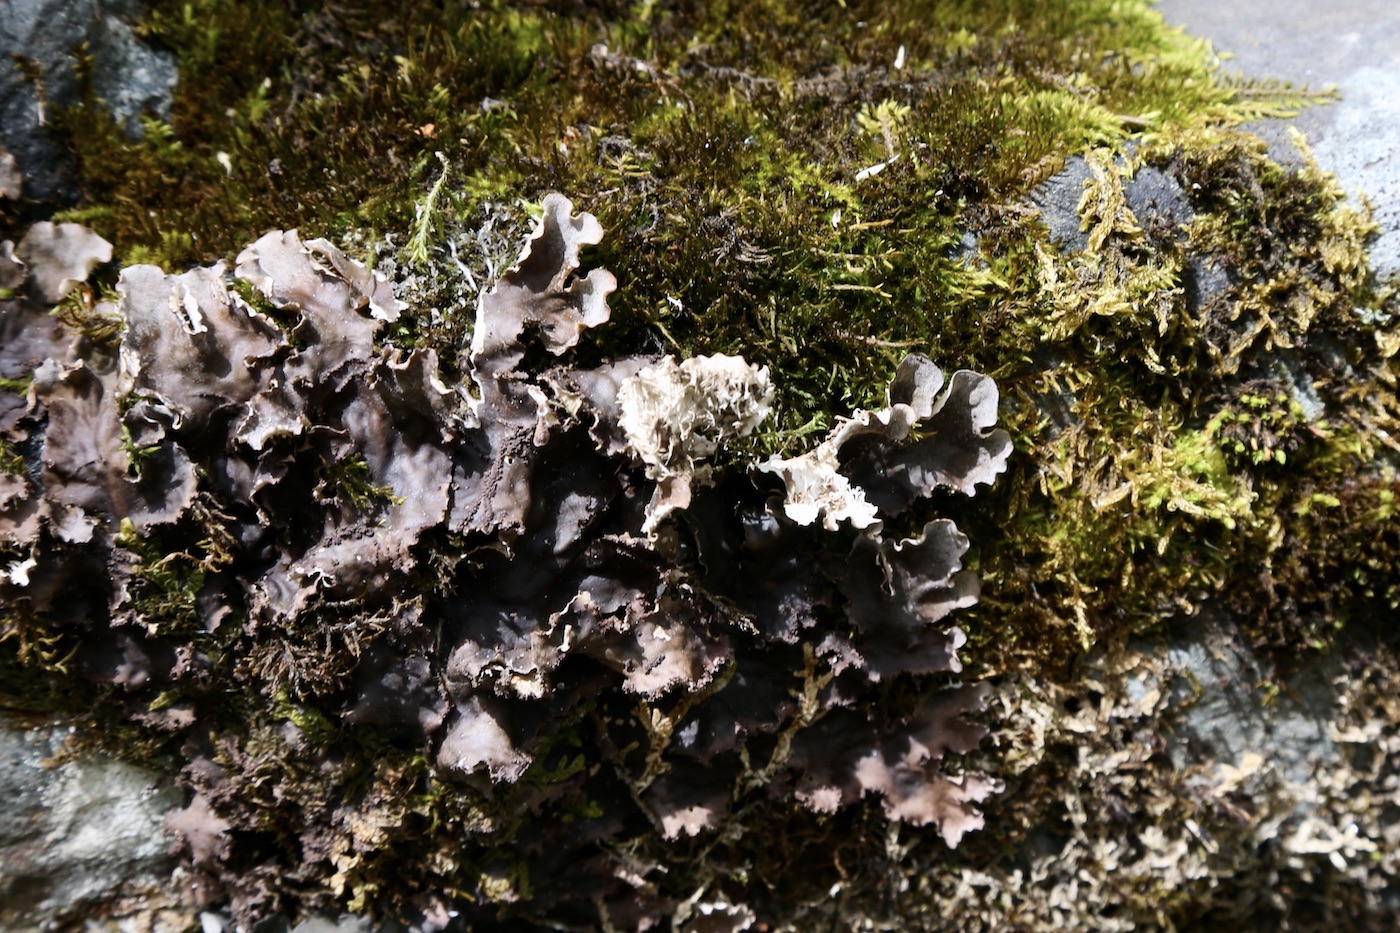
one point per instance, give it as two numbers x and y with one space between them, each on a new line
535 586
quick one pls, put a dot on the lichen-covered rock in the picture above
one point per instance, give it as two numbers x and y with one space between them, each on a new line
74 833
559 704
1168 770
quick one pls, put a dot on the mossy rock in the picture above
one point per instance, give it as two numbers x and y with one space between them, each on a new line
1196 368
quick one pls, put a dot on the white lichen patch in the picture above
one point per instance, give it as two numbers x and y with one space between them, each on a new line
816 489
676 414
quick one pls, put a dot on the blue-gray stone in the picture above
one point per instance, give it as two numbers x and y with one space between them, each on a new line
38 79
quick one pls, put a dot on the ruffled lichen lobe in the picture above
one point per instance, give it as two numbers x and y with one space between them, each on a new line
959 449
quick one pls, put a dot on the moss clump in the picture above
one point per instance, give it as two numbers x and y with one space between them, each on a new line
1207 352
348 478
735 157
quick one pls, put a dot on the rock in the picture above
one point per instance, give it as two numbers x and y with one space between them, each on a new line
219 922
1057 199
1154 197
1223 710
1204 280
38 78
344 924
1353 45
1157 201
83 831
1361 149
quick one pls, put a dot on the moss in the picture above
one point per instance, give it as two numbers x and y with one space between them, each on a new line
727 153
88 314
315 653
348 478
11 458
33 648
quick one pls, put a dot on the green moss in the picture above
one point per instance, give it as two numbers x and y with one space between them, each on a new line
30 645
348 478
1260 428
164 591
726 151
11 459
91 316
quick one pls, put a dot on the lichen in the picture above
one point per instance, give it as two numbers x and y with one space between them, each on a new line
678 414
591 652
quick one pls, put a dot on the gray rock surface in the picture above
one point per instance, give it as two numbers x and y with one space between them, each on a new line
1153 196
74 833
1352 44
1057 200
38 78
1227 703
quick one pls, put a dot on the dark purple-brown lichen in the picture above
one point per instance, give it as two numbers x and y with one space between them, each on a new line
536 581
